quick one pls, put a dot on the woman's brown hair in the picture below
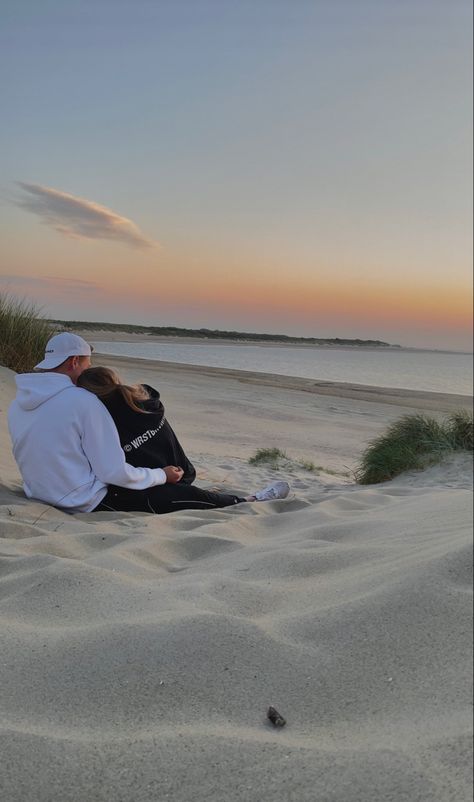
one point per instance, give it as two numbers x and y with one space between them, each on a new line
103 382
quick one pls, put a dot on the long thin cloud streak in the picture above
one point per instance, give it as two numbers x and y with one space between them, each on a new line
80 218
48 283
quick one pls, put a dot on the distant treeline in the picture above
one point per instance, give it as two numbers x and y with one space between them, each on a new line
210 334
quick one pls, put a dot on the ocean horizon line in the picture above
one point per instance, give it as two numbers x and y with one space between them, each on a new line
234 336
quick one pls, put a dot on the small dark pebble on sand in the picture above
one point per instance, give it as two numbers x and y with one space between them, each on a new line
275 717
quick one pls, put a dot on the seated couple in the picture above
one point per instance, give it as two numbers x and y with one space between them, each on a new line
84 442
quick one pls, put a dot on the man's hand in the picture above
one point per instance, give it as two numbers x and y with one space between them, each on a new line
173 474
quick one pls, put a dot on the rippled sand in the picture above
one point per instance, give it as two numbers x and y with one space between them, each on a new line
140 653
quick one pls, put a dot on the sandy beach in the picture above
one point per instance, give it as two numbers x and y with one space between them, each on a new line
140 653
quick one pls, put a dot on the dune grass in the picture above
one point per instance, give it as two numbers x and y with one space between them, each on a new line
412 443
275 458
23 333
268 456
306 465
460 430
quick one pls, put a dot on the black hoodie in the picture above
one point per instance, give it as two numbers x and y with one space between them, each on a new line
146 437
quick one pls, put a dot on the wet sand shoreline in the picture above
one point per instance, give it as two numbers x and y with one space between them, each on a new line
419 399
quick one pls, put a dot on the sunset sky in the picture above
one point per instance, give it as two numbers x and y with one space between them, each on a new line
291 166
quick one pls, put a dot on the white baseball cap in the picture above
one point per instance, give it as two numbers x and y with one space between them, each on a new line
60 347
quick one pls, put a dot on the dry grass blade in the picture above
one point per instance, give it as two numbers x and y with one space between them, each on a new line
23 333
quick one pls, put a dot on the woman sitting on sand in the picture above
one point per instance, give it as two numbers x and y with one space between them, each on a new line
149 441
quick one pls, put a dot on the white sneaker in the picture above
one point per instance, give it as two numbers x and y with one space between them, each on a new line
276 490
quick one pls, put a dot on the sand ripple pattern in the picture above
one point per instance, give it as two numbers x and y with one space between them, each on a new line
139 653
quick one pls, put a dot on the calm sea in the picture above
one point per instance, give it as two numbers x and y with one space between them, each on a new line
435 371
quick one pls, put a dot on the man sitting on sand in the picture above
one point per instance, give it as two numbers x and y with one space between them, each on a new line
67 447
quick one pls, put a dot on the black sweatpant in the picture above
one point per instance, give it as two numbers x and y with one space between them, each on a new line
164 498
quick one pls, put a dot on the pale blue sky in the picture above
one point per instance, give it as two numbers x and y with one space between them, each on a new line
329 141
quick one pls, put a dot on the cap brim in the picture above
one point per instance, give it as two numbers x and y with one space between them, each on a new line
49 364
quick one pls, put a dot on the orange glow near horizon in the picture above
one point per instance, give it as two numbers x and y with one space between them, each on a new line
261 295
442 307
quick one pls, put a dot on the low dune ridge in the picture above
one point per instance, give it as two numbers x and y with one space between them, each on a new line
140 653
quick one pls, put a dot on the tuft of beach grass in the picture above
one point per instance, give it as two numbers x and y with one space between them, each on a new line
268 456
275 458
412 443
460 429
23 333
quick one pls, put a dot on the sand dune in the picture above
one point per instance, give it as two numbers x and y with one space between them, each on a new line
140 653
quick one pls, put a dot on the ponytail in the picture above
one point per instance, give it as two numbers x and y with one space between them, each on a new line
104 382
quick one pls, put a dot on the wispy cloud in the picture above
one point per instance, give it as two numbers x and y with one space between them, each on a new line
49 283
80 218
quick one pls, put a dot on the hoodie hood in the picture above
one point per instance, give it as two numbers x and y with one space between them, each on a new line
33 389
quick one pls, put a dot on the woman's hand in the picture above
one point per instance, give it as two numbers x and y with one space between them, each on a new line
173 474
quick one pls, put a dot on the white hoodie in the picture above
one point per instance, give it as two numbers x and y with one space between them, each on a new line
66 444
